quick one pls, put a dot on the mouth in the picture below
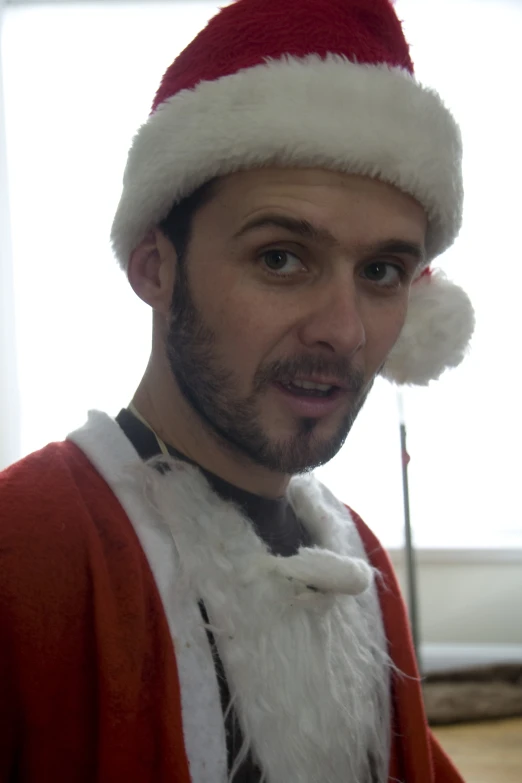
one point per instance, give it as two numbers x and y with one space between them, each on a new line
310 400
309 388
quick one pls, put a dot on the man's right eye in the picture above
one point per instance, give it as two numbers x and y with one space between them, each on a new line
281 262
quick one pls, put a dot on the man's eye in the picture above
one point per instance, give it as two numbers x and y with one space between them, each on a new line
281 262
385 274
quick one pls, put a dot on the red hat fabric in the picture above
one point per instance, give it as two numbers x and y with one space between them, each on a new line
366 31
326 83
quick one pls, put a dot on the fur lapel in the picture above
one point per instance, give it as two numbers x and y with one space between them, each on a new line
300 638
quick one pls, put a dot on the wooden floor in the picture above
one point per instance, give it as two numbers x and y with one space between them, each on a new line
485 752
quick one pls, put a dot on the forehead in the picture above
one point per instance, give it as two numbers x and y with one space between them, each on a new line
340 202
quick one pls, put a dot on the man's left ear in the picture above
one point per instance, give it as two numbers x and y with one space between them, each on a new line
151 270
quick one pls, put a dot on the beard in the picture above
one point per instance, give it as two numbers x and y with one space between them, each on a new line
211 390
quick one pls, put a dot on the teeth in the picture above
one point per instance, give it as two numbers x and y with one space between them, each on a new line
308 385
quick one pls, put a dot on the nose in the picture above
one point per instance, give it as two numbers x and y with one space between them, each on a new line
334 320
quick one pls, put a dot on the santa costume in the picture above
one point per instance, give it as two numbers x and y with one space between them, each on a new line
150 631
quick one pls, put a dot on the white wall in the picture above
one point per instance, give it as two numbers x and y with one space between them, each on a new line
468 598
9 400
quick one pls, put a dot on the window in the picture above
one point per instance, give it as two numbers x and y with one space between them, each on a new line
78 80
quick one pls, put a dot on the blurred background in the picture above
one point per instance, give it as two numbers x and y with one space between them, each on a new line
76 80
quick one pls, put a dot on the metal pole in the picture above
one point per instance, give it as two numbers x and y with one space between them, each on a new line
411 575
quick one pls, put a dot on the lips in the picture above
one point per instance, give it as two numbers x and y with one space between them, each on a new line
308 389
306 403
320 382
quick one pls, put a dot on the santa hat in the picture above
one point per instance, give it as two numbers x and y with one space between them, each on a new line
311 83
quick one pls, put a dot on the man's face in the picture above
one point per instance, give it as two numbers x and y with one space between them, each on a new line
292 278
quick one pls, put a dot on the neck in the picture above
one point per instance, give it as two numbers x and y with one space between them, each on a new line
160 403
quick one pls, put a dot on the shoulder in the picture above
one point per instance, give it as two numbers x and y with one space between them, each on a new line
347 528
59 522
368 537
42 547
376 553
41 511
41 491
334 523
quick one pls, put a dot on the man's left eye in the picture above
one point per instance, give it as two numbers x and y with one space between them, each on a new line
281 262
384 273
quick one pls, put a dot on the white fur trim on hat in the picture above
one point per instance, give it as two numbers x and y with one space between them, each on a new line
329 113
436 334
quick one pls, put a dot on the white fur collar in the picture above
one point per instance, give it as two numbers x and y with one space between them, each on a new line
307 668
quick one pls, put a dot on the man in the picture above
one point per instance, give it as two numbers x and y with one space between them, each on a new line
180 600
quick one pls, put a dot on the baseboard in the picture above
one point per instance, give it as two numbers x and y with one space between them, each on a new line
439 657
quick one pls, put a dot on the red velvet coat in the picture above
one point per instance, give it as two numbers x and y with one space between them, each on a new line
89 689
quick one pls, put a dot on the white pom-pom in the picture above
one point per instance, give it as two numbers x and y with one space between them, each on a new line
436 333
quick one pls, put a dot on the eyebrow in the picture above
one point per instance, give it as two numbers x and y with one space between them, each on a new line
306 230
297 226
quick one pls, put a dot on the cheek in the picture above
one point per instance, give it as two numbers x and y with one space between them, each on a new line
244 315
384 327
247 331
242 312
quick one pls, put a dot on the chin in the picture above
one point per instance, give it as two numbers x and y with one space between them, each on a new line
303 450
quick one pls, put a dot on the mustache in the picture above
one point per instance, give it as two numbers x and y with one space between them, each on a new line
306 365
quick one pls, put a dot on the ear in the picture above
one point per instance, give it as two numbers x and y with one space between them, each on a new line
151 271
